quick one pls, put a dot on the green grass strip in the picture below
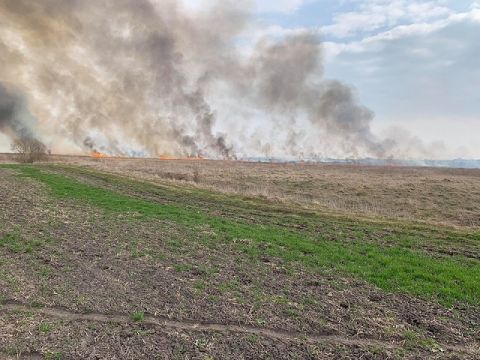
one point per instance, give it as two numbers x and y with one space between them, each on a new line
390 268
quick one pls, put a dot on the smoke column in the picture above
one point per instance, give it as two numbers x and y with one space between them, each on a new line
151 77
15 119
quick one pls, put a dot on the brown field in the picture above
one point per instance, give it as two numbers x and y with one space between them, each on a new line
433 195
229 260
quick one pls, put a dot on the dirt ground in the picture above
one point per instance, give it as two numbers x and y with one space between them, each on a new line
75 293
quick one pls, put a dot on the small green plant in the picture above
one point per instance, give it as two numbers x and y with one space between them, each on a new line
44 271
199 285
412 338
44 327
53 355
182 267
260 321
291 313
12 351
138 316
202 344
376 350
232 285
12 242
10 279
253 339
27 314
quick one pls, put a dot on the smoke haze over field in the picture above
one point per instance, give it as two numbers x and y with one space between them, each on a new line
151 77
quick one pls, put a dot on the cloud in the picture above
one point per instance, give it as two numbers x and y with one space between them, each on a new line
377 14
421 76
261 6
399 32
279 6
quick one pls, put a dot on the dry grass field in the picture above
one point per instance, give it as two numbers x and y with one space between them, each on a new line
433 195
150 259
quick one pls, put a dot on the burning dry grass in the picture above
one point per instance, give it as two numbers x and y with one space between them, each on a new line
97 155
435 195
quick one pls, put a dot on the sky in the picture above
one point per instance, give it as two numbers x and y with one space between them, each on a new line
416 64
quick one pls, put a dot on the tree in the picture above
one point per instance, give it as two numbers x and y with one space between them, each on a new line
29 149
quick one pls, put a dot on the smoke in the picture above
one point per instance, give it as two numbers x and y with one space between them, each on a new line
285 81
8 105
151 77
15 119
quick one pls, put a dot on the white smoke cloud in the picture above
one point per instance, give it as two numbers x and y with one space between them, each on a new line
162 78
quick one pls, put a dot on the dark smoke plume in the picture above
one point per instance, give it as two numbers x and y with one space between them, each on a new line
150 77
8 105
15 119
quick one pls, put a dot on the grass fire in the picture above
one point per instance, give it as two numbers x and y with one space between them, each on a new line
220 179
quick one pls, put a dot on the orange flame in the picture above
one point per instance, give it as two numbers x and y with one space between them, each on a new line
97 155
165 157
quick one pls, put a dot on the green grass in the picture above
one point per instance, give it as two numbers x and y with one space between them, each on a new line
16 244
13 243
44 327
182 267
44 271
398 267
200 285
138 316
12 351
406 234
53 355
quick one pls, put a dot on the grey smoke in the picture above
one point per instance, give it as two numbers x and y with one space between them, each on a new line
284 74
145 77
8 104
15 119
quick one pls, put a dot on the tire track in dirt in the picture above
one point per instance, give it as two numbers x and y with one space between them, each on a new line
218 327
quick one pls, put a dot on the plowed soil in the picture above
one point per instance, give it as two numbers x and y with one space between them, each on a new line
82 281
